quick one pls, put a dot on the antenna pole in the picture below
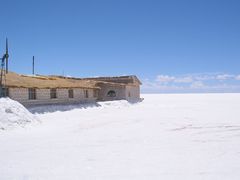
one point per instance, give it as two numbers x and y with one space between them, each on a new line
33 66
6 55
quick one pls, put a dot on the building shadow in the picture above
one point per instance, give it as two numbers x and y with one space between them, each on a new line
41 109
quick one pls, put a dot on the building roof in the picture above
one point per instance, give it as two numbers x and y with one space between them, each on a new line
39 81
121 80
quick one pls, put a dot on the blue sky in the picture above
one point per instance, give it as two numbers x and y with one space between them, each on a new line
172 45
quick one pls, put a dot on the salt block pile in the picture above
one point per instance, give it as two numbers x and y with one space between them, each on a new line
13 114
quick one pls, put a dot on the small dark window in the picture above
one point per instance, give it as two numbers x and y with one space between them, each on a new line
53 93
111 93
85 93
31 93
70 93
4 92
129 94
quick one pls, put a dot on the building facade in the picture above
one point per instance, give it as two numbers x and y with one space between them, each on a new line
40 90
36 96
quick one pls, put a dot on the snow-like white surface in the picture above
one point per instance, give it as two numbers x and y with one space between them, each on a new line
169 137
13 114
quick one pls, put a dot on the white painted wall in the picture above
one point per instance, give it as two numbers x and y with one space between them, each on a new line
132 93
43 96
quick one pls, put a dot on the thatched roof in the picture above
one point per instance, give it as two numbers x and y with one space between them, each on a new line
40 81
121 80
126 80
32 81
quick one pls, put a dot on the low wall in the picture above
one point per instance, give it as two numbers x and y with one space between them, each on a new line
43 96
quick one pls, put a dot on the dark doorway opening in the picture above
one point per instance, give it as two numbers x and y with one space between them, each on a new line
111 93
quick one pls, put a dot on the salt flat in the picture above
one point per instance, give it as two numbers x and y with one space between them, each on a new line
167 136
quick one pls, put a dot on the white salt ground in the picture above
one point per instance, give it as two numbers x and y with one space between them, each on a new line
13 114
169 137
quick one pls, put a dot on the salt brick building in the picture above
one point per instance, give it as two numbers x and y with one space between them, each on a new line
40 90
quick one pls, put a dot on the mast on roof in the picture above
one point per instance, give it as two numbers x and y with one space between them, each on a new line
33 65
4 71
6 55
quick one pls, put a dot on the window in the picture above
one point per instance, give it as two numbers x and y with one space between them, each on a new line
95 93
70 93
129 94
4 92
111 93
31 93
53 93
85 93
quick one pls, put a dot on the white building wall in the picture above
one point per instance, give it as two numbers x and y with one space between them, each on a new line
128 92
43 96
62 94
133 92
78 93
18 94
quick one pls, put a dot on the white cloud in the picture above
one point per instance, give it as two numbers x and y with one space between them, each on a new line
186 79
205 82
165 78
197 84
204 77
224 76
237 77
168 79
